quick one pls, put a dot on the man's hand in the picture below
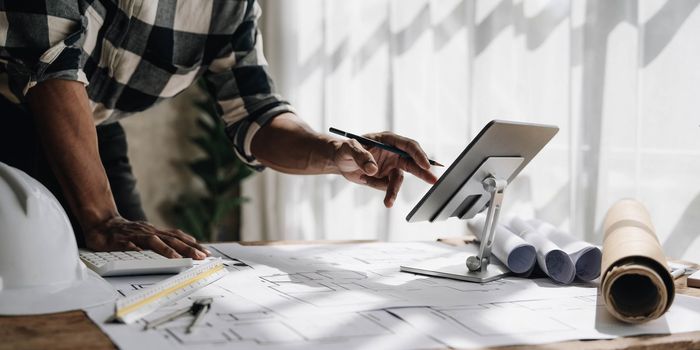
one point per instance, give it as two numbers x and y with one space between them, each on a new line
382 169
289 145
120 234
63 117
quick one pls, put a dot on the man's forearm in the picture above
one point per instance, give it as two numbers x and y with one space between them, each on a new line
66 129
289 145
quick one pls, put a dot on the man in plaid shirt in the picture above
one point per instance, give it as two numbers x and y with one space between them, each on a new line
70 69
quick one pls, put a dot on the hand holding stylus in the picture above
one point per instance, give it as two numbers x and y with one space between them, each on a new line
387 156
372 143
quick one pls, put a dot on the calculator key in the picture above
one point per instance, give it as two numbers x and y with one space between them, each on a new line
132 263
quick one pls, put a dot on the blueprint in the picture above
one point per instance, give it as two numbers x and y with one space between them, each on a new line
541 321
353 296
509 248
519 244
587 257
239 323
321 279
550 258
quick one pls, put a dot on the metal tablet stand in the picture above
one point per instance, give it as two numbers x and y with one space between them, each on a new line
483 188
479 264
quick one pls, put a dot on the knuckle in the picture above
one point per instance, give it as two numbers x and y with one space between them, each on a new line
185 235
356 146
143 224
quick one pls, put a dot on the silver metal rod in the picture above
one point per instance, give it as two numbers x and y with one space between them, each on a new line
495 187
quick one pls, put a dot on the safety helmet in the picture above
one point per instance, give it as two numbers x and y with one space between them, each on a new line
40 271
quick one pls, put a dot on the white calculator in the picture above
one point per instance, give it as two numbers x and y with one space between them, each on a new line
145 262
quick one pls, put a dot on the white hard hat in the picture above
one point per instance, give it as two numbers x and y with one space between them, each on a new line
40 271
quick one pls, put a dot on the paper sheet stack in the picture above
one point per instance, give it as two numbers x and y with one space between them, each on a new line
524 245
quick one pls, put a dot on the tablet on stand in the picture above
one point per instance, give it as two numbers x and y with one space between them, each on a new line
475 181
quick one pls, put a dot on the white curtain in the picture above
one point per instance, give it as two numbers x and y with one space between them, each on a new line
620 78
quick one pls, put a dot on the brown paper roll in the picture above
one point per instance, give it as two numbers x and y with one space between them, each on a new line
635 283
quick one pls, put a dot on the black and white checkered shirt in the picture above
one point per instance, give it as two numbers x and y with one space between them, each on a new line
131 54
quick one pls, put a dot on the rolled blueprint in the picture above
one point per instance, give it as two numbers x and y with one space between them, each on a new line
636 283
550 257
585 256
518 255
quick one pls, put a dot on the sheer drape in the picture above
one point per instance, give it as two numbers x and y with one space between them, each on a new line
620 79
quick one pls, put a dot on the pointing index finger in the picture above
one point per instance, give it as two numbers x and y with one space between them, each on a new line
413 168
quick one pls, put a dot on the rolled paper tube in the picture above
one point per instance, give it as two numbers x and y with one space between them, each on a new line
636 284
513 251
585 256
550 257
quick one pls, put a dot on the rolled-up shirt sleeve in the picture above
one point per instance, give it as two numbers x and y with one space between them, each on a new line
41 40
243 89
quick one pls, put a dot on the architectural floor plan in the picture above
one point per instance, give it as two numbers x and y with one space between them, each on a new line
353 296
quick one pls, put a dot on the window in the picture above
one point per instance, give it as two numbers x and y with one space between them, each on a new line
620 79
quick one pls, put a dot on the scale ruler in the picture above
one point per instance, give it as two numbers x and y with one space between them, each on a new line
137 305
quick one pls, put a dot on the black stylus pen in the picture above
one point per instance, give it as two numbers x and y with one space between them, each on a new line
372 143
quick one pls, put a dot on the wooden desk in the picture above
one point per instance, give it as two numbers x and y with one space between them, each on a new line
74 330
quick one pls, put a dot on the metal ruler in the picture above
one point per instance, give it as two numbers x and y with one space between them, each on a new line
137 305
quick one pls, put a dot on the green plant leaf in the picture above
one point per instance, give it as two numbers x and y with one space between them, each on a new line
191 216
209 127
205 144
225 205
220 171
208 107
206 169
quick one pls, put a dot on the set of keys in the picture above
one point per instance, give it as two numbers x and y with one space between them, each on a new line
198 309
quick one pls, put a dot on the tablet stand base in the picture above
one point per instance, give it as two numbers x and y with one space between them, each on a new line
457 271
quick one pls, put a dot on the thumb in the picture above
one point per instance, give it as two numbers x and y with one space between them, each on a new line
362 157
